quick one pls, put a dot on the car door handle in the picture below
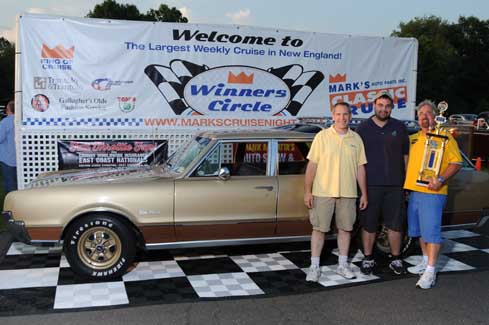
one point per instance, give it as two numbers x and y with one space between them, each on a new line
268 188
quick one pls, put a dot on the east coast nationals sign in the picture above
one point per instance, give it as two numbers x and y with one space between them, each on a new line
142 76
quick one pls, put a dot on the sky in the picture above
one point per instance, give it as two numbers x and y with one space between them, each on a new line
372 18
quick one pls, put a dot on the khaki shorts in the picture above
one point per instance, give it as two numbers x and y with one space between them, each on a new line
323 209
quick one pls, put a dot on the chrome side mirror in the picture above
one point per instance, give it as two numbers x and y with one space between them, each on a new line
224 173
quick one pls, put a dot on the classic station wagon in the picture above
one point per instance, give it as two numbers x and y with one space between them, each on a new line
220 188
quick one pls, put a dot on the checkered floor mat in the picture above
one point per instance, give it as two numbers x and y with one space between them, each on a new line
39 279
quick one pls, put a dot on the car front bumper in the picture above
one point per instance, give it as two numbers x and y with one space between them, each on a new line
16 228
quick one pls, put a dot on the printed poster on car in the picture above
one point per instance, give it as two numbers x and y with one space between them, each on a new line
80 154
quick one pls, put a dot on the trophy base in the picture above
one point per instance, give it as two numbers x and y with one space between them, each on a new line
422 183
434 135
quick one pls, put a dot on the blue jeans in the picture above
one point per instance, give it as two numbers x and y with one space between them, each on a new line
9 177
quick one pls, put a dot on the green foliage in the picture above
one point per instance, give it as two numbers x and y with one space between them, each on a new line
453 61
110 9
165 13
7 70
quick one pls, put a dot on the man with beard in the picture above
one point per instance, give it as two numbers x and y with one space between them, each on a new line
386 141
426 202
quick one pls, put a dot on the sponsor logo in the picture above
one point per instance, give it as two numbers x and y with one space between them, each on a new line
234 89
337 78
40 83
64 84
242 89
127 104
40 102
361 94
57 58
103 84
76 103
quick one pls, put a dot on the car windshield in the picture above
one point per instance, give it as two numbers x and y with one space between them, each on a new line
187 153
470 117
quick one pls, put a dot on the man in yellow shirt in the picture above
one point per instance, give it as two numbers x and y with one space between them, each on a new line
426 202
336 163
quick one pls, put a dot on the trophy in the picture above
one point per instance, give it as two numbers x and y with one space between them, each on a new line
434 148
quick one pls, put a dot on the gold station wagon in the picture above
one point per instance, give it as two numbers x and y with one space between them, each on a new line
220 188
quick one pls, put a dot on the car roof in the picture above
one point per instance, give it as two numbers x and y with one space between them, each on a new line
256 134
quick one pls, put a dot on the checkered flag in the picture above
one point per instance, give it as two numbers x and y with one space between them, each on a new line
171 82
301 85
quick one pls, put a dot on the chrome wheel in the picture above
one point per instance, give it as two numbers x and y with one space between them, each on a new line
99 248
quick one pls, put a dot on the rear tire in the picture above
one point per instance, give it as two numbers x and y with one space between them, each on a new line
99 246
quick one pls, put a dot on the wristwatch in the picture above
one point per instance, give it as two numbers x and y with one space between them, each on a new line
441 179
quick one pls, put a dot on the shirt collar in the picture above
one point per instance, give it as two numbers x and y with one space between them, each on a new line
347 134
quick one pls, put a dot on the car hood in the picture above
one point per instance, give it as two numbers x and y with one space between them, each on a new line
100 176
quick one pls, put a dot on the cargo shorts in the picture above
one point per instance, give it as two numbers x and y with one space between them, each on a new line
323 209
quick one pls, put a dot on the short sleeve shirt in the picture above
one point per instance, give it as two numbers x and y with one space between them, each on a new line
385 148
337 158
451 156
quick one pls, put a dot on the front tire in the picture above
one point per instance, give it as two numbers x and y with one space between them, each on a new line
99 246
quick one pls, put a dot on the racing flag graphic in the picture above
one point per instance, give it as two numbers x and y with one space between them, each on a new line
171 81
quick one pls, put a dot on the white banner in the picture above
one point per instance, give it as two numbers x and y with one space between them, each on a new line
90 74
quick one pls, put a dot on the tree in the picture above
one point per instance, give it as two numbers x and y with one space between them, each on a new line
7 70
110 9
453 61
165 13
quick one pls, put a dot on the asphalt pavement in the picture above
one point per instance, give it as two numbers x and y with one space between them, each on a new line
458 298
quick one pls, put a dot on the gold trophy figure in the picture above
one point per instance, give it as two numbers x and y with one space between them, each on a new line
434 148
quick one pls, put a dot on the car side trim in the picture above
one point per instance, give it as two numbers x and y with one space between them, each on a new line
230 242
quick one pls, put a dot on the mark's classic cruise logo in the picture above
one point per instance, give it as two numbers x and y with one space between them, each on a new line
192 89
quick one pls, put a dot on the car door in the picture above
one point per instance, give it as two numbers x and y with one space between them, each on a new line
243 206
292 214
467 195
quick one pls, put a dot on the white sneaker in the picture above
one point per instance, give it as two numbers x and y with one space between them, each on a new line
313 274
427 280
419 268
345 271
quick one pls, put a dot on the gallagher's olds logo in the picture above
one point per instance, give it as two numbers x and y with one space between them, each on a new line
195 89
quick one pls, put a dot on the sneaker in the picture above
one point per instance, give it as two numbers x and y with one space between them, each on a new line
426 281
418 269
313 274
367 266
397 266
345 271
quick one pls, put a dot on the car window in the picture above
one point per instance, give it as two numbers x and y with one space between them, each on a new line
466 163
210 166
245 158
241 158
292 157
187 153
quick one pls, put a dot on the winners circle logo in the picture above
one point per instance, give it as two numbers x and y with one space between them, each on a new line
193 89
225 90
